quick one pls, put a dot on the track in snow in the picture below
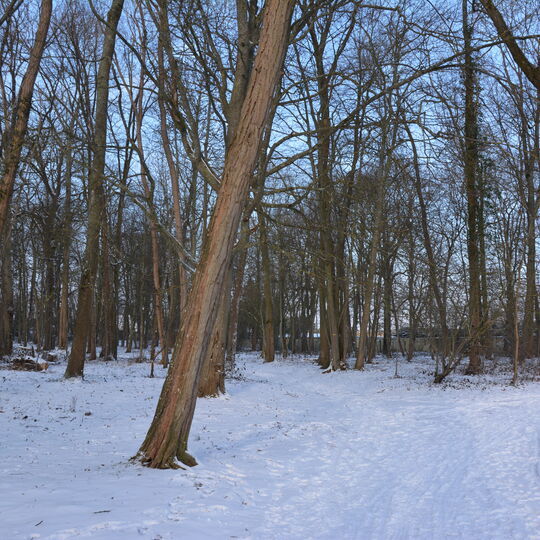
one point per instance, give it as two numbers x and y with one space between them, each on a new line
288 453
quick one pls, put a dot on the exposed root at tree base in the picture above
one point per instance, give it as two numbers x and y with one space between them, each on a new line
146 461
187 459
172 463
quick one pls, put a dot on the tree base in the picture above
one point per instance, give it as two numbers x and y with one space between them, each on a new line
173 463
473 370
187 459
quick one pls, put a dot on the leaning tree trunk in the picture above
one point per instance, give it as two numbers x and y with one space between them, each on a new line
246 42
438 294
17 132
167 437
96 201
530 71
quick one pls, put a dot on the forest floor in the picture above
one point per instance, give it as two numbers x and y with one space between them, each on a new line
288 453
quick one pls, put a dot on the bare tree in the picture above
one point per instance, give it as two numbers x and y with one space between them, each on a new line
96 202
167 437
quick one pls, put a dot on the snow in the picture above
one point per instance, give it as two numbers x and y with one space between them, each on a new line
288 453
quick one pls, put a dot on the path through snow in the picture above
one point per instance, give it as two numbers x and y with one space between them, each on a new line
289 453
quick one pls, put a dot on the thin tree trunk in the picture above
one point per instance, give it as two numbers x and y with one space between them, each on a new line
387 307
237 295
268 309
6 294
108 297
156 278
66 237
173 171
438 294
362 354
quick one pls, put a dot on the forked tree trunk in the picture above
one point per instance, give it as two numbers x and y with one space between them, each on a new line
75 365
247 38
167 437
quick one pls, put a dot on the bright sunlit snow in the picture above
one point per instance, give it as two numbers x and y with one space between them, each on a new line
289 453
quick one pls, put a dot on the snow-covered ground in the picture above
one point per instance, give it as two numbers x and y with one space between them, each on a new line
289 453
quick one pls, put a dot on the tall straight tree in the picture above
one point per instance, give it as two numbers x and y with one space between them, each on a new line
470 162
96 202
167 438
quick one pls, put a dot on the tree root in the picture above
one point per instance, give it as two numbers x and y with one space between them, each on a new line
171 463
186 459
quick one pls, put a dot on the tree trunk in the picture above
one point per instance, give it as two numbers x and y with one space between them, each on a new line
232 338
167 437
471 189
173 171
75 367
66 239
362 354
268 309
212 381
434 280
17 131
531 72
108 297
6 294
